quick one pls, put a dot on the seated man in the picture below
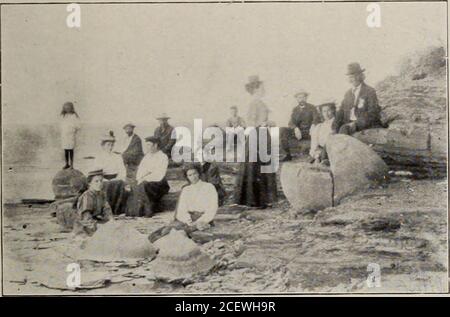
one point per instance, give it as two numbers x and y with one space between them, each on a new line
359 109
320 133
151 179
303 117
164 133
197 205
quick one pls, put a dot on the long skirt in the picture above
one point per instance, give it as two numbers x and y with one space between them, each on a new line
145 198
254 188
116 195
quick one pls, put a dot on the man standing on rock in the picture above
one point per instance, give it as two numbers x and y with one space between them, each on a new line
132 152
359 109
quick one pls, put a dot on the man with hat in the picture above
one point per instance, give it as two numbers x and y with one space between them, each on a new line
132 152
164 133
359 109
151 179
303 116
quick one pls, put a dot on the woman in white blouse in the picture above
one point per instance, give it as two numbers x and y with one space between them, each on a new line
321 132
198 201
197 205
114 174
110 162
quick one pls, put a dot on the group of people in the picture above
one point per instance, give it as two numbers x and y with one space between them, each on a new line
133 182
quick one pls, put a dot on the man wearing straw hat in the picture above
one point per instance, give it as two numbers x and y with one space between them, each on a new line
359 109
132 153
164 133
303 116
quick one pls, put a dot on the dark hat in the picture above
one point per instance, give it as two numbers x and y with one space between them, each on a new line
129 125
354 68
153 139
254 79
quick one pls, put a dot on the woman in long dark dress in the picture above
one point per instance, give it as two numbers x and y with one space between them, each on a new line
253 187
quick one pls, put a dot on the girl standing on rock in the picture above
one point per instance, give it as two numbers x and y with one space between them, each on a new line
70 125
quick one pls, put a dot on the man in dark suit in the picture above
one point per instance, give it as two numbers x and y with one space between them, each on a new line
303 116
359 109
164 133
132 153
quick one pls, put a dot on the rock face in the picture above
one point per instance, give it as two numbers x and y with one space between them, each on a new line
65 213
116 241
414 106
179 258
68 183
355 166
307 187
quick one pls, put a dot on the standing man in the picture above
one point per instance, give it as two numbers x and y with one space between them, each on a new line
359 109
132 152
303 116
164 134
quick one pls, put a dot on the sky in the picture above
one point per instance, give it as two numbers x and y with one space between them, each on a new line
130 62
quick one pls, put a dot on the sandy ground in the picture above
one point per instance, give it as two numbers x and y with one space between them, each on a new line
401 229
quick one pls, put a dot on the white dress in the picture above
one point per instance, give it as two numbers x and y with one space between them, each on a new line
70 124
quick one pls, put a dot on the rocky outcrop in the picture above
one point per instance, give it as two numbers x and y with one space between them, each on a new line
354 167
414 106
117 241
68 183
307 187
179 258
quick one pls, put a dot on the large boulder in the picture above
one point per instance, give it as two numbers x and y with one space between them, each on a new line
354 165
306 186
68 183
179 258
116 241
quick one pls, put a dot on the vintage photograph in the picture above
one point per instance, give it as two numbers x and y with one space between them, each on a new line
224 148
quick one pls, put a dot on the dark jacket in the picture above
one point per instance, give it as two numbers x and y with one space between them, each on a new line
211 174
134 153
165 137
303 118
367 109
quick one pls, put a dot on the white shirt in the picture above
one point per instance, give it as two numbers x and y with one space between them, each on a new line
127 142
110 163
320 134
153 167
200 197
356 91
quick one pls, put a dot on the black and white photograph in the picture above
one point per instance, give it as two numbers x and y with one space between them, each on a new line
220 148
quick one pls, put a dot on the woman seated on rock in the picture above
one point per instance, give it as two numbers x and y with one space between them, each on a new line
197 205
210 173
92 206
114 173
151 181
320 133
